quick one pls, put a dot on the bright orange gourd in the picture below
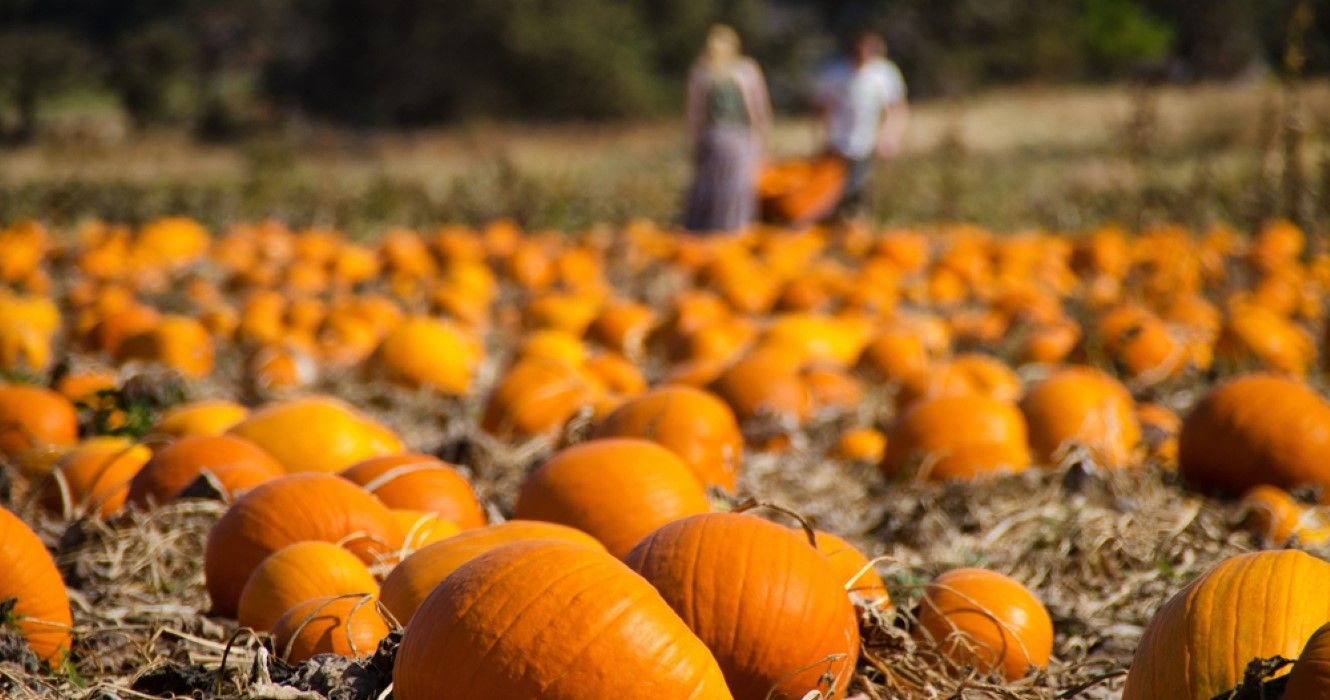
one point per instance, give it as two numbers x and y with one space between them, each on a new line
235 464
346 626
853 569
420 482
28 574
316 434
958 437
297 573
94 475
34 417
1005 627
1086 407
692 423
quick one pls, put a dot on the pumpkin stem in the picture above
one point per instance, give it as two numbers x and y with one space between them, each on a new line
751 503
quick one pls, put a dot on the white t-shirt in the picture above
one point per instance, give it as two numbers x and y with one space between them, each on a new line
855 99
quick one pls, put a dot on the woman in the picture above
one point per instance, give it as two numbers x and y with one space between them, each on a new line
729 119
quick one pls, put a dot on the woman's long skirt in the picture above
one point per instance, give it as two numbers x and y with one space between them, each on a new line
724 195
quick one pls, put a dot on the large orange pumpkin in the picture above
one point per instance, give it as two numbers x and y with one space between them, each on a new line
234 463
28 574
1310 677
296 573
694 424
283 511
316 434
34 417
1086 407
984 619
1199 643
411 581
782 628
343 625
958 437
96 475
420 482
615 489
1256 429
550 620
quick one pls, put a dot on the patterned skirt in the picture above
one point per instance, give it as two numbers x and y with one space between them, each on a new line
723 196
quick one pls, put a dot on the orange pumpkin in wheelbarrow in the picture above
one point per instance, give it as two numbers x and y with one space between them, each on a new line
801 191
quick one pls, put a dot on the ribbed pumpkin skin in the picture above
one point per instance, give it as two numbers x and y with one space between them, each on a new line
958 437
297 573
316 434
420 482
411 582
28 574
32 416
550 620
1310 677
765 602
694 424
1085 406
1256 429
617 490
852 569
235 462
284 511
1008 627
327 631
1251 605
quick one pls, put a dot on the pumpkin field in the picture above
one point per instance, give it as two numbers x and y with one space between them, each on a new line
487 462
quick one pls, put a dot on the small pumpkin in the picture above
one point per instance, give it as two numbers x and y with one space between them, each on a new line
201 418
986 620
95 474
765 383
420 528
862 444
178 342
1271 513
1086 407
781 630
537 397
34 417
235 464
316 433
958 437
615 489
411 581
1199 643
420 482
692 423
291 509
427 352
350 626
28 574
296 573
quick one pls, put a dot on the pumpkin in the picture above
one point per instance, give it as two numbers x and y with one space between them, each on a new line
199 418
1086 407
958 437
349 626
1257 335
862 444
296 573
84 385
283 511
233 463
427 352
28 574
1198 644
835 340
33 417
965 374
420 528
178 342
1271 512
411 581
614 489
316 434
420 482
988 621
623 327
853 569
95 474
1310 677
692 423
502 627
536 397
801 191
120 324
1256 429
895 354
783 628
553 345
765 383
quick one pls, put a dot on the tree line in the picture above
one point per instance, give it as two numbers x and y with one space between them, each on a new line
222 67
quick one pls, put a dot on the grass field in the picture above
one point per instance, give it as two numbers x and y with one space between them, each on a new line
1061 158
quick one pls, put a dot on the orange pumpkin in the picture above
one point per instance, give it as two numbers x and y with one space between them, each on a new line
1272 513
895 355
1256 429
783 629
33 417
199 418
296 573
1199 643
95 474
861 444
233 463
1255 335
346 626
537 397
765 383
501 627
420 528
426 352
181 343
1310 677
986 620
854 570
693 424
283 511
420 482
316 433
615 489
1086 407
411 581
958 437
28 574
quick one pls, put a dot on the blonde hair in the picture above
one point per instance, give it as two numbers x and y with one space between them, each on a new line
722 48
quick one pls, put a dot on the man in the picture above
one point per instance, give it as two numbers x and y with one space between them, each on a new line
865 111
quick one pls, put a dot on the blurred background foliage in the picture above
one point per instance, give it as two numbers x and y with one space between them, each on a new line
226 67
